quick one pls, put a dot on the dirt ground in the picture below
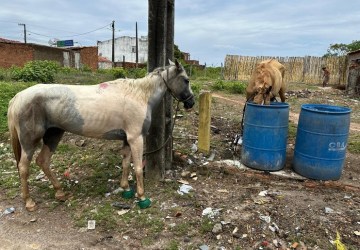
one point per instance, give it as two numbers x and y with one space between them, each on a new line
230 206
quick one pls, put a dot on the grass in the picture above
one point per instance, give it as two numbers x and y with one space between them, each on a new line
94 169
7 91
354 143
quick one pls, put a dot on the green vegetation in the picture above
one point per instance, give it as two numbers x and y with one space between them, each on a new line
232 87
7 91
36 71
354 144
341 49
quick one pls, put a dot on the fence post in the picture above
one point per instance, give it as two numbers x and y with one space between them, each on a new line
204 121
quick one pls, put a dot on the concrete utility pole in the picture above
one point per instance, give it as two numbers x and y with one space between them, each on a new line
113 43
137 47
23 24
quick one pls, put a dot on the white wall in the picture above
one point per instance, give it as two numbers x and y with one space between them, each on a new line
125 46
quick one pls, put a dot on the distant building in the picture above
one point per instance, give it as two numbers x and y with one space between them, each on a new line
14 53
125 48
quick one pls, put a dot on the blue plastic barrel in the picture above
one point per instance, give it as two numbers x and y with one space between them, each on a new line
265 135
321 141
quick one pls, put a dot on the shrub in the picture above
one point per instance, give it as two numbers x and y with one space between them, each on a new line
36 71
136 72
233 87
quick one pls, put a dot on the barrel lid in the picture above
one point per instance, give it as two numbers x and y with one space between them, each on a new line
325 108
272 105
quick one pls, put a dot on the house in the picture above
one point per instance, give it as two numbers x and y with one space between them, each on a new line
353 79
125 49
14 53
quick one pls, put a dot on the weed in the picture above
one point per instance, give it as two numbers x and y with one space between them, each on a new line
206 226
172 245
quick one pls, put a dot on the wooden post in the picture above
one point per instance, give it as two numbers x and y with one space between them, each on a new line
204 121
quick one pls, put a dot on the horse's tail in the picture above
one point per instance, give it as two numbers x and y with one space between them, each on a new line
14 140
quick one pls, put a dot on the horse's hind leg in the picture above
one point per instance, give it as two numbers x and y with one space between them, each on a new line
51 139
126 153
23 166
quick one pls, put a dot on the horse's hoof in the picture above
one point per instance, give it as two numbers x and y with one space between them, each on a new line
30 206
60 195
144 203
128 194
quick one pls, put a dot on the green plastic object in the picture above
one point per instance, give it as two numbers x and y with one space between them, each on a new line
128 194
144 203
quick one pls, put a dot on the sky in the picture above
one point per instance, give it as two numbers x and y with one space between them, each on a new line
207 29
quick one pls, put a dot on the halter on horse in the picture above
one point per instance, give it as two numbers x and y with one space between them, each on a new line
115 110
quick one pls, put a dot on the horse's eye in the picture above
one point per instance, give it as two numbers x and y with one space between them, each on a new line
187 81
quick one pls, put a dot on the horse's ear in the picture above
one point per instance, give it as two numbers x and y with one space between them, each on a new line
171 62
178 65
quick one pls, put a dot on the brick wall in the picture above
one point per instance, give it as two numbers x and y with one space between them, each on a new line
49 53
15 54
19 53
88 56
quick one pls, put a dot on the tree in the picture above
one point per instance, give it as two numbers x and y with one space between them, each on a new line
341 49
177 53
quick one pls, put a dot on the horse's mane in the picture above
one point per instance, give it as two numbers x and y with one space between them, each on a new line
143 88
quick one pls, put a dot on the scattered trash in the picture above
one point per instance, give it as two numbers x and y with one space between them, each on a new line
33 220
193 175
210 213
118 190
329 210
185 173
194 147
184 189
107 194
238 140
339 245
183 181
67 174
126 237
347 196
190 161
357 233
204 247
273 227
276 243
123 211
294 245
225 222
217 228
120 205
9 210
265 218
263 193
211 157
40 176
91 224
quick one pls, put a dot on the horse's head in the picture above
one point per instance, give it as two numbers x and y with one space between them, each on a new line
263 88
178 83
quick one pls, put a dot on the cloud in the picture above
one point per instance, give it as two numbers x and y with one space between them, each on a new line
207 29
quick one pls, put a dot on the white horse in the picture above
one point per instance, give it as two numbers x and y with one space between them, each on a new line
115 110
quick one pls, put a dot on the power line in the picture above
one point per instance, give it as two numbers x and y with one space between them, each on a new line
90 31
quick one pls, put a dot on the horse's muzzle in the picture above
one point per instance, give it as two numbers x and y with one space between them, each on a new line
189 103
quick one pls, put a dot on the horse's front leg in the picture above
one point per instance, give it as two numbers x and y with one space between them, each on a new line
124 181
137 151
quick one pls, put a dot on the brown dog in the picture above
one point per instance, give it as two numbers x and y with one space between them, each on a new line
266 82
